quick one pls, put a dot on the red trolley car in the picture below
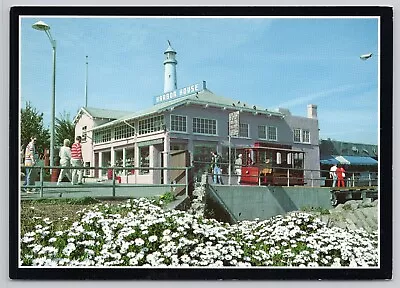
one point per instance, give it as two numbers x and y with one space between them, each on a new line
269 164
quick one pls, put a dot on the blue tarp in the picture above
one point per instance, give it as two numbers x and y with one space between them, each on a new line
347 160
328 160
358 160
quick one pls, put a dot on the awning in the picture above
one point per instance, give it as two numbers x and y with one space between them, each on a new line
358 160
328 160
347 160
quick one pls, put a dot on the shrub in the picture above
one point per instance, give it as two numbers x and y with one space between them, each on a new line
139 233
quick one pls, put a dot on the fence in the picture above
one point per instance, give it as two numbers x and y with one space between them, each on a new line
312 177
105 182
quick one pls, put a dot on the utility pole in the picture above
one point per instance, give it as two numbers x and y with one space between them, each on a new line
86 82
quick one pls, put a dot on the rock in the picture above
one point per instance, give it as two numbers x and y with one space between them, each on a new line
352 215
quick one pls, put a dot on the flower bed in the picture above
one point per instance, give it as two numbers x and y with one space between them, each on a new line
140 233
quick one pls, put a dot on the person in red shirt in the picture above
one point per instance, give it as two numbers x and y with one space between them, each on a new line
340 172
77 161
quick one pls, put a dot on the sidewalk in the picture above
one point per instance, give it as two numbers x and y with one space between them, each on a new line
93 189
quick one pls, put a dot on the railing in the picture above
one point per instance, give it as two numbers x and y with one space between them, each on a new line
311 177
104 182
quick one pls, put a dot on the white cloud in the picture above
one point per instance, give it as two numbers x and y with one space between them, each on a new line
322 94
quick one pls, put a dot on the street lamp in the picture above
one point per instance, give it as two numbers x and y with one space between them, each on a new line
41 26
366 56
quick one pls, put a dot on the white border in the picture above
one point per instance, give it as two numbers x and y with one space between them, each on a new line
277 17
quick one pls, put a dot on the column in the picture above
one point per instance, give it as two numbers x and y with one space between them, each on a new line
191 151
136 160
166 155
100 164
112 158
124 160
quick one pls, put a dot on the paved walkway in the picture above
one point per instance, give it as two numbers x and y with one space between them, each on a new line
94 189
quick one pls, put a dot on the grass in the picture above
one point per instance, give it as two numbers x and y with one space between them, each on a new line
62 212
319 210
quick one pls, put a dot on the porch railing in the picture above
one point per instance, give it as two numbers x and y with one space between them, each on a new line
102 182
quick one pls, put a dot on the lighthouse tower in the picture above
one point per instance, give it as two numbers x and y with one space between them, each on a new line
170 69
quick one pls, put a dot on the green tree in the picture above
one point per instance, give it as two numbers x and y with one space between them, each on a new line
32 125
65 129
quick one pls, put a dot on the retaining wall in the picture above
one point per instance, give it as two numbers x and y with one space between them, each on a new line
264 202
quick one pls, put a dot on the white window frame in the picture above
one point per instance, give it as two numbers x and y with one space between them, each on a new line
303 138
102 136
179 122
151 124
294 135
241 127
265 131
204 128
123 131
84 134
305 134
268 134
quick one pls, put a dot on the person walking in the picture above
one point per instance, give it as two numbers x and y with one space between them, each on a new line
238 167
340 172
65 161
333 175
30 161
77 161
216 168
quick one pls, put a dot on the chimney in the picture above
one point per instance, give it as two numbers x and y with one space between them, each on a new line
284 111
312 111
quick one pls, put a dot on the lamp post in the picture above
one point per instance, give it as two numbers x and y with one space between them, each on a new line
41 26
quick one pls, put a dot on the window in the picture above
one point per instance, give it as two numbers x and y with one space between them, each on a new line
151 124
278 158
205 126
84 129
261 132
272 133
306 136
124 130
244 130
178 123
268 133
102 136
301 135
289 158
298 160
297 135
144 153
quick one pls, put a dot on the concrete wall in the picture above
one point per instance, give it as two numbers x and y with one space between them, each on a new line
264 202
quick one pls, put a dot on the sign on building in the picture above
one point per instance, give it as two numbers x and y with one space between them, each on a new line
234 124
181 92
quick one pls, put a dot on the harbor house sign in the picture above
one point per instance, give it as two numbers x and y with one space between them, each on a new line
181 92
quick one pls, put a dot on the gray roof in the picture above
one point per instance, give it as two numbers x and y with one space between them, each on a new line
204 97
105 113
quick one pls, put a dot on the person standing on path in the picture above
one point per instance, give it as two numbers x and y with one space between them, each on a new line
333 175
340 172
30 161
238 168
65 161
77 161
216 168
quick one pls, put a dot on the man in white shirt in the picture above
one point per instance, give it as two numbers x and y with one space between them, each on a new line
65 161
333 175
238 167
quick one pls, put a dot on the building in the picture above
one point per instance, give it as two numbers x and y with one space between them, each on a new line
192 119
355 156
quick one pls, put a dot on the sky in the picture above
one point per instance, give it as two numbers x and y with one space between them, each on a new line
267 62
